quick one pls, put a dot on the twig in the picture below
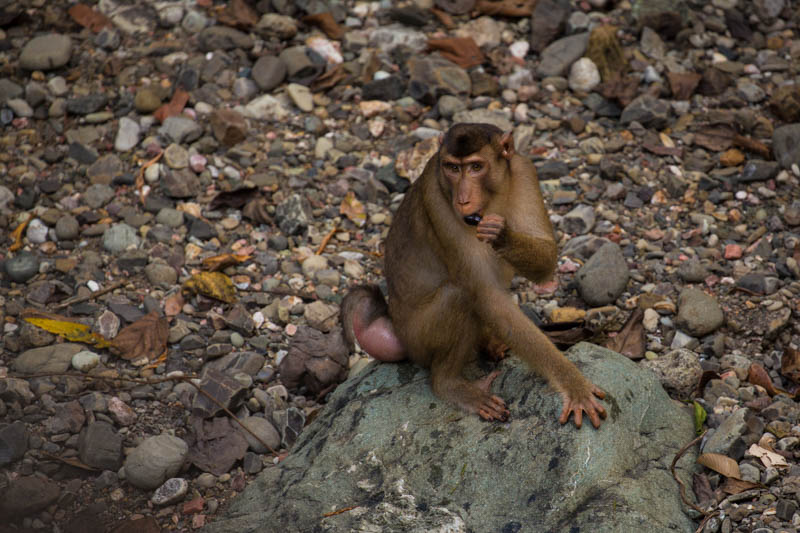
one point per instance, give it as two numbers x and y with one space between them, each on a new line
339 511
152 381
707 515
680 483
327 239
92 296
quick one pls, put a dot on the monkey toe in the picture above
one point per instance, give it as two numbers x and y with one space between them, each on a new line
493 408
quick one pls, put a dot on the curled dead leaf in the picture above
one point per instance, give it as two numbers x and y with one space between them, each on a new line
174 107
353 209
88 17
18 233
790 364
506 8
630 341
757 375
212 284
722 464
768 457
737 486
145 338
219 262
326 23
460 50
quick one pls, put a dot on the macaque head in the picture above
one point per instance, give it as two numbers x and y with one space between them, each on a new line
474 160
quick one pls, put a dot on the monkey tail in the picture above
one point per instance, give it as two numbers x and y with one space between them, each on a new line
364 316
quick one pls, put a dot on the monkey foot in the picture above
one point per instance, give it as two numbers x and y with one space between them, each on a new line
490 407
496 349
578 403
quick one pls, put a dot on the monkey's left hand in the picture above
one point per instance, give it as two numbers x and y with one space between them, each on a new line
491 229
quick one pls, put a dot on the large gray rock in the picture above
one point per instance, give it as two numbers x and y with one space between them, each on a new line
402 460
604 277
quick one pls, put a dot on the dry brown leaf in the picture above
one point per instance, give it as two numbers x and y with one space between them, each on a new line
460 50
174 107
702 489
330 78
768 457
235 199
790 364
721 464
737 486
88 17
218 262
757 375
353 209
65 327
752 145
145 338
506 8
326 23
238 15
17 235
212 284
630 341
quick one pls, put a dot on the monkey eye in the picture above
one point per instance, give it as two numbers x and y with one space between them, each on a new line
452 167
476 166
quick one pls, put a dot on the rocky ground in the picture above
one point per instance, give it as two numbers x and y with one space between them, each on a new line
189 187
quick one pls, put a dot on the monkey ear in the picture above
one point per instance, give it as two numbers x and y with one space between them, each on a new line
507 145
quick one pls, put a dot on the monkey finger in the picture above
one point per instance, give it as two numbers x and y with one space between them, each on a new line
578 417
597 391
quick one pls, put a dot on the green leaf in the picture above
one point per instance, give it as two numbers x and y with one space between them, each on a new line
699 418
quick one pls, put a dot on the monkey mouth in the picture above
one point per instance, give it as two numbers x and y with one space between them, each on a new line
473 219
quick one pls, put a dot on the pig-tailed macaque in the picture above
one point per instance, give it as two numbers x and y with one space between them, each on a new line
473 219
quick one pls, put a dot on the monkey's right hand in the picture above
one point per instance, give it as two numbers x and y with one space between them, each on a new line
584 401
490 229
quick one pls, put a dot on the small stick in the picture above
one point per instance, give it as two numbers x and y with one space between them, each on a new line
680 483
339 511
92 296
140 175
327 239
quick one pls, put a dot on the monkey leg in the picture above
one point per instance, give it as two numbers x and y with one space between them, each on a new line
471 396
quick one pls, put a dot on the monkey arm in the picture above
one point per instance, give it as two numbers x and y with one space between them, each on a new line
533 257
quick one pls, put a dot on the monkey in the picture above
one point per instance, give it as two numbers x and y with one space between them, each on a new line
473 219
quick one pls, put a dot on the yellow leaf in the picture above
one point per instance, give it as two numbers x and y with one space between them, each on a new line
213 284
64 327
353 209
17 235
721 464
